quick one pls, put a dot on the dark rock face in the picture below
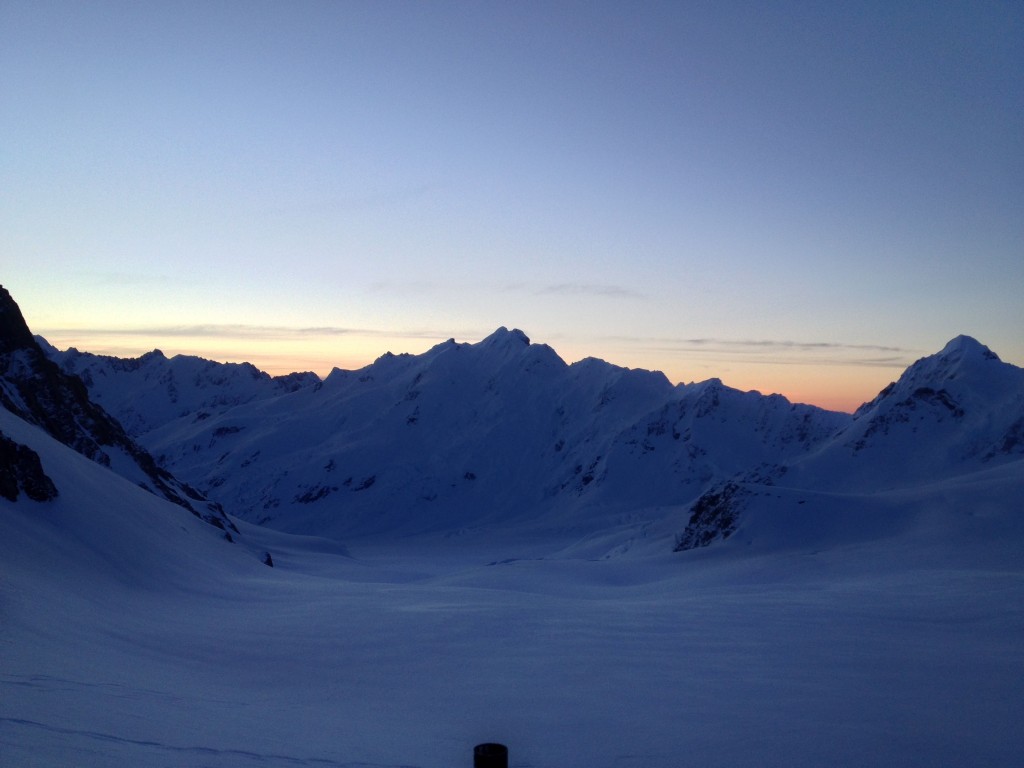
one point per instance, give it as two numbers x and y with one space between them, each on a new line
1010 443
713 516
21 471
35 389
14 332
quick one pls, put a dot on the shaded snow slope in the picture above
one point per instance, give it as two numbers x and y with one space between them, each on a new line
103 528
979 511
949 430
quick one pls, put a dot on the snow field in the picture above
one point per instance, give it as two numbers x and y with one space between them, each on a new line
410 658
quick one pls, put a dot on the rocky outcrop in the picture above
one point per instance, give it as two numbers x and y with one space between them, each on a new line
714 516
21 471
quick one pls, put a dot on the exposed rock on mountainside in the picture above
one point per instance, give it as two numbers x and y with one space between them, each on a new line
713 516
22 472
35 389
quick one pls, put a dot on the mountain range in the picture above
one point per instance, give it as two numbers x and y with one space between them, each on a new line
503 433
477 542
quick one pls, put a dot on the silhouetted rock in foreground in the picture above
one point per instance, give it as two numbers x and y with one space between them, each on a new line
22 471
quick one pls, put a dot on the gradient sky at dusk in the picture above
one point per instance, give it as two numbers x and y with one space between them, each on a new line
800 197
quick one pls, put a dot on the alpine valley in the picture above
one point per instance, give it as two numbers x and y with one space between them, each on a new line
204 565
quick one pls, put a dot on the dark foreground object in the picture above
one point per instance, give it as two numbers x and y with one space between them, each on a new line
490 756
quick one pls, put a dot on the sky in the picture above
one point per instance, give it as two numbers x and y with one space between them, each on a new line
794 197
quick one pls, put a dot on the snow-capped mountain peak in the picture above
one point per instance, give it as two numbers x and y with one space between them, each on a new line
965 370
962 356
499 429
151 390
962 345
949 413
504 337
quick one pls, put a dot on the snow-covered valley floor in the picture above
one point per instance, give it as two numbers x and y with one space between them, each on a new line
409 653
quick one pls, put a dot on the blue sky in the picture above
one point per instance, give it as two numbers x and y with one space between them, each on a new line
799 197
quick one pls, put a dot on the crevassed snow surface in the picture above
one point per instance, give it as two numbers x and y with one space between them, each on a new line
131 634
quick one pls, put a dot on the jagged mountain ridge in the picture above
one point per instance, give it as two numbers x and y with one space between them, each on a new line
467 434
148 391
35 389
503 431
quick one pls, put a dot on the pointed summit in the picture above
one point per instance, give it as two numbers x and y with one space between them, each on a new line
966 347
963 360
962 357
504 337
959 408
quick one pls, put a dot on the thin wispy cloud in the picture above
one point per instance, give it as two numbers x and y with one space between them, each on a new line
778 351
251 340
240 331
783 344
